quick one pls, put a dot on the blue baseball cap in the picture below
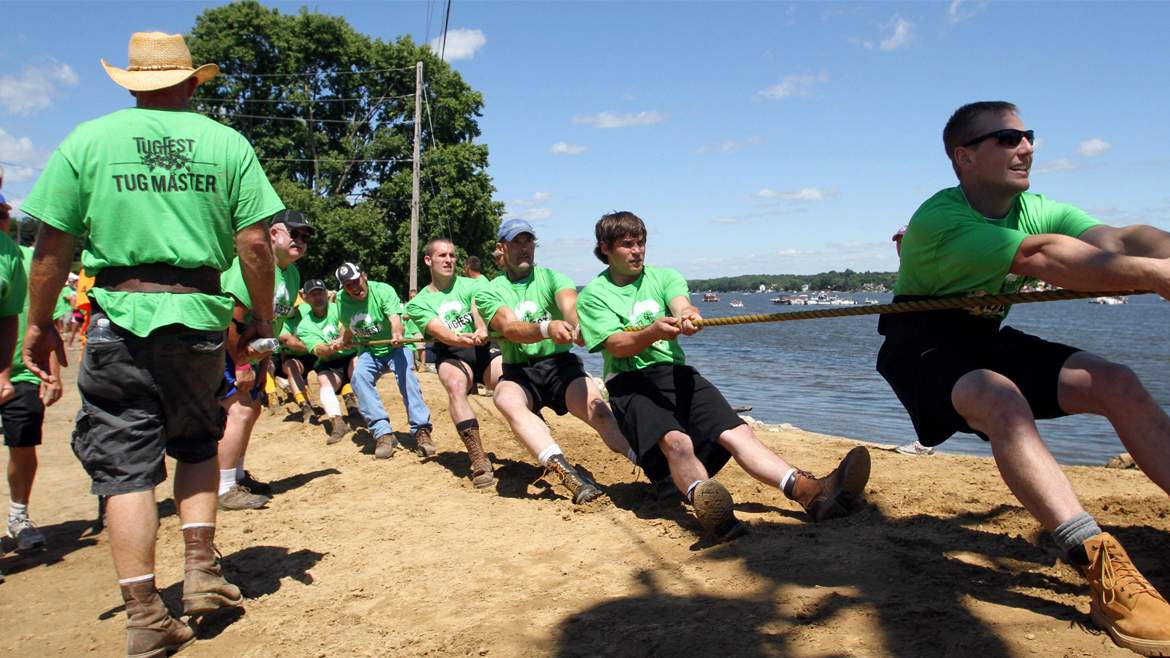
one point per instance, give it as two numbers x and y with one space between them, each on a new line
513 227
3 200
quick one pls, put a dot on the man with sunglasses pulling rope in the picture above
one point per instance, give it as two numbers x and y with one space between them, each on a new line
961 371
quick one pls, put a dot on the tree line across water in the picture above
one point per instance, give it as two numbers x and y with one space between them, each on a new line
845 281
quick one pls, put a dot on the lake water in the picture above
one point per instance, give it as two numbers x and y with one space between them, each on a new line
819 374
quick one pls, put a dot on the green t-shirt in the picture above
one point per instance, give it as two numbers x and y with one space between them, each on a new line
951 249
155 186
369 318
19 373
451 306
314 331
284 292
64 306
532 299
605 309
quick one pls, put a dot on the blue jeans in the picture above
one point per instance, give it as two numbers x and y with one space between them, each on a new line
367 369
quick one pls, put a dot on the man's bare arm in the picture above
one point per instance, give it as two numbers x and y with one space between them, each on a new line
1135 240
1072 263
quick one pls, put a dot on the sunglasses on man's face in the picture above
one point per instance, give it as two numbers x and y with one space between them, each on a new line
1009 137
301 235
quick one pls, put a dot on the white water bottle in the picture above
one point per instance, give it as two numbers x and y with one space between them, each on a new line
264 345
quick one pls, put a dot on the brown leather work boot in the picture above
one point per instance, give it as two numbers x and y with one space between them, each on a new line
481 466
830 497
307 412
151 631
715 509
385 446
582 488
1122 601
426 443
336 429
204 587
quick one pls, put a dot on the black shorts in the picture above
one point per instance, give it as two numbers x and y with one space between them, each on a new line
479 358
143 397
922 361
650 402
546 380
338 367
23 416
308 362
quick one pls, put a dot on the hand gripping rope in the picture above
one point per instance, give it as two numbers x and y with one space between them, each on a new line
937 304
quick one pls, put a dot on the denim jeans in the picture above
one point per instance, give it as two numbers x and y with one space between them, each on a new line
367 369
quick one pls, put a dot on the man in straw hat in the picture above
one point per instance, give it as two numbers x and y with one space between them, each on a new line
166 196
963 371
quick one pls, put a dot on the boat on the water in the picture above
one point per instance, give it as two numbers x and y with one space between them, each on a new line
1109 300
710 297
735 303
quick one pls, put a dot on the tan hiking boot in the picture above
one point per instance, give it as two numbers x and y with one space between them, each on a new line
582 488
715 510
1123 602
426 443
307 413
351 405
151 631
204 587
481 466
830 497
337 429
385 447
238 498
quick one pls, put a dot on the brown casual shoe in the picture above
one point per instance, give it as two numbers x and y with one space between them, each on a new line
351 405
307 413
238 498
426 443
583 489
385 447
481 466
151 631
204 587
1123 602
252 485
337 429
714 508
830 497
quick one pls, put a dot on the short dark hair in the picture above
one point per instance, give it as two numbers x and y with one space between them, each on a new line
962 123
473 264
616 226
429 249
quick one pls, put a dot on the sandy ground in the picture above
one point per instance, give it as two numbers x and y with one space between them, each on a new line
360 557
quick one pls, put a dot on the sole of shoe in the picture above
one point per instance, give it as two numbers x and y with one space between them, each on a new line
854 469
32 546
427 451
484 481
587 494
202 604
714 509
163 651
1134 644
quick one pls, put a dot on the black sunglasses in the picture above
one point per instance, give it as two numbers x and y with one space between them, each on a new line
301 235
1009 137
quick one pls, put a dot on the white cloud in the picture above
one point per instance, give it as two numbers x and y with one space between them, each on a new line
541 197
531 209
23 157
961 10
804 194
37 88
795 86
461 44
896 34
1093 147
1059 164
615 120
564 148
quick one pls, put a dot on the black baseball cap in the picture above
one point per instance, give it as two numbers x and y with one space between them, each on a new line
313 284
293 219
348 272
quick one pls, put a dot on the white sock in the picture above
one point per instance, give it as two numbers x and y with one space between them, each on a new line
691 490
196 525
136 579
632 456
17 510
548 453
282 382
240 469
786 479
329 401
227 480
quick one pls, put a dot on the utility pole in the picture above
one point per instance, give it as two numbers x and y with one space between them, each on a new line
418 73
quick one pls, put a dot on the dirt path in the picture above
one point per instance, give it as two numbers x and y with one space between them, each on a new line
358 557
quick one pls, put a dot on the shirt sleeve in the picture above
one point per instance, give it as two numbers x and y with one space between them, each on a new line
488 301
14 286
420 313
1066 219
674 285
255 200
232 282
561 282
56 197
598 321
309 333
391 304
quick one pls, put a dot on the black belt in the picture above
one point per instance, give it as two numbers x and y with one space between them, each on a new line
159 277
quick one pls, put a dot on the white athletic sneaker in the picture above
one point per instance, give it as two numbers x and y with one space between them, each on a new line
26 534
915 448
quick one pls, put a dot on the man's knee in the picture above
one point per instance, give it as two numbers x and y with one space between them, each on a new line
988 399
1117 384
676 445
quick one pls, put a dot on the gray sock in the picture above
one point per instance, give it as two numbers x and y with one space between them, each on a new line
1075 531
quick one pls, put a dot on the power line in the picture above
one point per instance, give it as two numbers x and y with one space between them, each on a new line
347 161
21 166
309 74
446 20
293 101
270 117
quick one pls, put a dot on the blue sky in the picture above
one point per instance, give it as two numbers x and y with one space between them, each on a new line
752 137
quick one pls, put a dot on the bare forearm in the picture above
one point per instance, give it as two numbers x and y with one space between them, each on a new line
257 266
567 302
628 343
396 325
1071 263
50 266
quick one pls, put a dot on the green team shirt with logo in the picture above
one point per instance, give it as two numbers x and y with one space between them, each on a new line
951 249
155 186
314 331
605 309
451 306
532 299
19 373
284 292
369 318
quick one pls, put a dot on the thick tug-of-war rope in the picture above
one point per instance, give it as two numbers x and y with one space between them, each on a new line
937 304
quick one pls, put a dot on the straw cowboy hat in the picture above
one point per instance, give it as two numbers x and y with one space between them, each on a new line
158 61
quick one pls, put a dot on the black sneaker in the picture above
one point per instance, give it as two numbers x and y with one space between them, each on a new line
255 486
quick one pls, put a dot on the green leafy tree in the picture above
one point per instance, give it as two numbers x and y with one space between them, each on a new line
330 113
